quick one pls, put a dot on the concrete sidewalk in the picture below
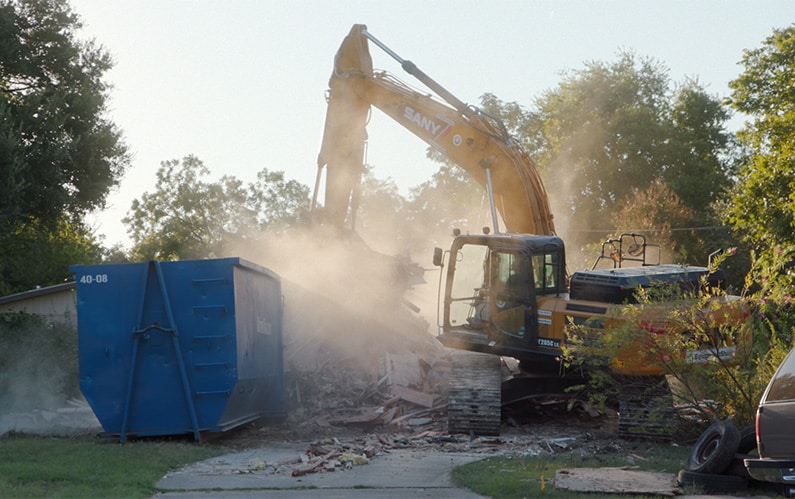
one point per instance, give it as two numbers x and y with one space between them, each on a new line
394 474
408 473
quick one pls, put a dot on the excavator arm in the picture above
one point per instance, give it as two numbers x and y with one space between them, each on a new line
471 138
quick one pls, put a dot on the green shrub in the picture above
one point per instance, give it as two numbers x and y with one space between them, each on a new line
742 341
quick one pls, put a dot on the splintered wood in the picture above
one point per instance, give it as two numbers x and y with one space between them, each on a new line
404 389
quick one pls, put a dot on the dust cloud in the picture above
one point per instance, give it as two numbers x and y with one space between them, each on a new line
344 301
350 313
349 302
346 306
39 391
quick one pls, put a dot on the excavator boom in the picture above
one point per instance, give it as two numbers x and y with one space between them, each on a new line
471 138
504 294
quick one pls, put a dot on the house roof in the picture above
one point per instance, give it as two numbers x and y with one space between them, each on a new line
33 293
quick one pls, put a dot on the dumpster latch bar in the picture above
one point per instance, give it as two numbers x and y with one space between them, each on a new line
154 271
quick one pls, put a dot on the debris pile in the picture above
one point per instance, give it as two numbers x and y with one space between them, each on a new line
358 353
338 454
331 454
394 389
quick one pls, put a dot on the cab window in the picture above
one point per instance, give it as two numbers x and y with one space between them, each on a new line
512 290
511 275
546 270
783 385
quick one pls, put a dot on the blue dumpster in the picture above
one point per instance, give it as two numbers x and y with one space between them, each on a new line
179 347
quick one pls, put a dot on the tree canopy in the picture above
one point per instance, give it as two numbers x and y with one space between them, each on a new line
450 199
612 130
763 208
656 210
58 152
34 255
187 216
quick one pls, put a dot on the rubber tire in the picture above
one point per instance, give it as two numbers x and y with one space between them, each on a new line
711 483
714 449
747 443
746 449
737 466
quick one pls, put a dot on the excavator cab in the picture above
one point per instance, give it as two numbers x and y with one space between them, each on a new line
493 287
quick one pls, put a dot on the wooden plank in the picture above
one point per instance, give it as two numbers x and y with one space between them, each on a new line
389 415
617 481
364 415
403 369
413 396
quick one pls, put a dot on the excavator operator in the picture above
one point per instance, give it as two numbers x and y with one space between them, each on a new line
511 290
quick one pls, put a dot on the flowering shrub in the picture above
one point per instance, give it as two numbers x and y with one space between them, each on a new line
717 352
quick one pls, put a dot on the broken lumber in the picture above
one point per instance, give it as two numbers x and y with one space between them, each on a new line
413 396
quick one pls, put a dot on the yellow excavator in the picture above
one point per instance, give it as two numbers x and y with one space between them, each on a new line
505 292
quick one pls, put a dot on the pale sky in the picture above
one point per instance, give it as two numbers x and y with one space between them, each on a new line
240 83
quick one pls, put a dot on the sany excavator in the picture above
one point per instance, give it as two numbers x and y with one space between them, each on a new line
505 293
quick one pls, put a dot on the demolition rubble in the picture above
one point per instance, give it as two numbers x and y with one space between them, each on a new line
357 445
357 395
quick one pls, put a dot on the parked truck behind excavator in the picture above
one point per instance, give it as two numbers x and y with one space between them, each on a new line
502 293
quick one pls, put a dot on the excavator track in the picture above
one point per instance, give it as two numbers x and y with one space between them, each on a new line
645 408
475 399
475 402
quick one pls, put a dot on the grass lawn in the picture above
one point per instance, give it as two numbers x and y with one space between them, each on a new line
89 466
508 477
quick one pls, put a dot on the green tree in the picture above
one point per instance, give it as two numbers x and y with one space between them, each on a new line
763 205
35 254
450 199
602 129
190 217
612 129
656 210
58 152
704 155
277 203
379 212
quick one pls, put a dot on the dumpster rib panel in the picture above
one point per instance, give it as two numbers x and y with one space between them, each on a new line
211 364
210 308
224 337
215 280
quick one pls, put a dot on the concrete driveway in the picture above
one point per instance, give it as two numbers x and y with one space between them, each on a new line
404 473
